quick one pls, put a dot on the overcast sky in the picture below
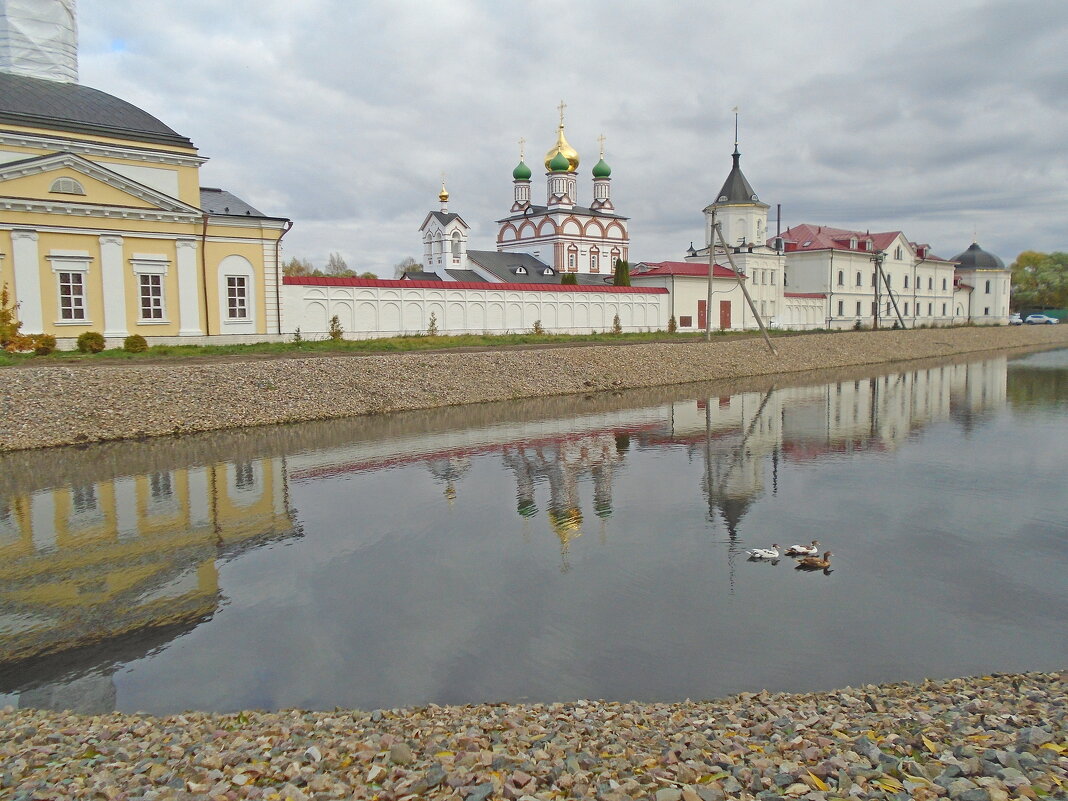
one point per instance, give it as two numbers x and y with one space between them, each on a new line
940 118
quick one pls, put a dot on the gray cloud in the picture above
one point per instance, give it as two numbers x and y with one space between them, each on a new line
343 115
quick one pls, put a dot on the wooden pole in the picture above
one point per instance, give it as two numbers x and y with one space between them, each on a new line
752 307
711 268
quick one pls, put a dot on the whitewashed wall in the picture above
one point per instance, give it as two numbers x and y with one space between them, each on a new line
369 308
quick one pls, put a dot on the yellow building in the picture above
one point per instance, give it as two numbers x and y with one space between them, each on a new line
104 225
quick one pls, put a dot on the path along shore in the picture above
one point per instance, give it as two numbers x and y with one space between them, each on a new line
71 404
988 738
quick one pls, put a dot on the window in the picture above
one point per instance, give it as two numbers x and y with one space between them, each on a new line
771 274
853 243
930 282
83 499
244 475
986 311
237 297
72 296
897 253
888 276
159 486
930 309
860 279
858 308
906 282
456 244
873 309
987 291
686 321
595 257
66 186
943 283
943 309
841 278
868 245
151 294
841 308
906 310
572 258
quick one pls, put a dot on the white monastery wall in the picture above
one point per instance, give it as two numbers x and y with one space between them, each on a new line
368 308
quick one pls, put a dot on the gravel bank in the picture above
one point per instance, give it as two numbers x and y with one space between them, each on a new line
988 738
63 405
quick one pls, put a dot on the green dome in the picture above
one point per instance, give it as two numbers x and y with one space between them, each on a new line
559 163
601 170
521 172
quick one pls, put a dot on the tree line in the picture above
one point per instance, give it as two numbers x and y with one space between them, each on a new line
335 268
1040 280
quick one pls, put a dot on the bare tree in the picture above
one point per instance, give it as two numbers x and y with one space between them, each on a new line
406 265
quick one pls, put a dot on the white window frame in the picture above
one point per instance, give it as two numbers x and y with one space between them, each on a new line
74 262
237 266
155 265
230 316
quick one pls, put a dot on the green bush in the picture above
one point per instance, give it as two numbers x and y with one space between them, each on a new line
336 331
537 329
135 343
91 342
44 344
569 279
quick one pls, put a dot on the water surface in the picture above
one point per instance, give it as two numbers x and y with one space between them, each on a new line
550 549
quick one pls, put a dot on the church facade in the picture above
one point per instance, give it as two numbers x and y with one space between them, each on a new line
104 224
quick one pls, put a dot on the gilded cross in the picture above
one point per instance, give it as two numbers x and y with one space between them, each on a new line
561 107
522 147
600 140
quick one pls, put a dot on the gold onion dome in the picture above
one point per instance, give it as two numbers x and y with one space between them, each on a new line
443 195
561 148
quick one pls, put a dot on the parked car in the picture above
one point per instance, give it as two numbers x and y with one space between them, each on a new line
1040 319
1015 319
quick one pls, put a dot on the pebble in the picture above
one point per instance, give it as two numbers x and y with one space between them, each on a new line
818 746
75 403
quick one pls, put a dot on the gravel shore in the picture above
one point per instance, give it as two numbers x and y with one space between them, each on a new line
70 404
988 738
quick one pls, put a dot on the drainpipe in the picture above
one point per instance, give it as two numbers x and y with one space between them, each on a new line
204 273
278 276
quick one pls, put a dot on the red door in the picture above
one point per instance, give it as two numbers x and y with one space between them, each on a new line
702 315
724 314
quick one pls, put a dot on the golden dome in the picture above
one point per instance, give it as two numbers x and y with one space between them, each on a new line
563 148
443 195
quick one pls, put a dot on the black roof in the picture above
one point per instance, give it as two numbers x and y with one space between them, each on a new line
736 189
219 201
976 258
503 265
419 275
467 275
40 103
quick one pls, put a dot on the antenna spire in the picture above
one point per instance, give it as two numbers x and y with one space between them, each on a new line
735 110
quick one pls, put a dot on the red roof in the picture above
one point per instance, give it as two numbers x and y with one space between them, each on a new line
803 295
680 268
807 237
384 283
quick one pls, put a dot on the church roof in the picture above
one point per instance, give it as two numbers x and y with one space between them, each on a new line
656 268
534 211
219 201
71 107
736 189
807 237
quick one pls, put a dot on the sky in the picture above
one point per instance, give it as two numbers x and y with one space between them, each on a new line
947 120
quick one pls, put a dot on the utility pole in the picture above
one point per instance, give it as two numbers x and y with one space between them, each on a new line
876 283
711 268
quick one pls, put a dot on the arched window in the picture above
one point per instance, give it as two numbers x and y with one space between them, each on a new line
859 279
906 282
987 288
943 283
841 278
66 186
897 253
930 282
595 260
456 244
853 243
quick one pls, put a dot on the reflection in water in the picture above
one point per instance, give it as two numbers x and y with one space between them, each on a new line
116 557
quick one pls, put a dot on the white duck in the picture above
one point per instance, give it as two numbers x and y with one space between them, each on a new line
764 553
804 550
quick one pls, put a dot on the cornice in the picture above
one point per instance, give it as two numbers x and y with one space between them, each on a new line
98 149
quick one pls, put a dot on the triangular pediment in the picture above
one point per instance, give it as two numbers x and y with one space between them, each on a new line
66 178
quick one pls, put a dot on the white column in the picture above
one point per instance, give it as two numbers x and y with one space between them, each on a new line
113 282
188 294
26 262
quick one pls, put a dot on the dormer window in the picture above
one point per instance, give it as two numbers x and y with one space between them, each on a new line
868 245
897 253
806 243
520 270
853 243
548 271
66 186
722 199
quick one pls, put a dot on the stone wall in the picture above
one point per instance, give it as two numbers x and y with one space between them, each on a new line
73 403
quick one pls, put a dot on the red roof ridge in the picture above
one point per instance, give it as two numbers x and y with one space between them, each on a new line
397 283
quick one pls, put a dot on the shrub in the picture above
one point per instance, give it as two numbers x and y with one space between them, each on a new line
673 325
617 327
135 343
336 331
44 344
569 279
537 329
91 342
432 329
9 322
297 337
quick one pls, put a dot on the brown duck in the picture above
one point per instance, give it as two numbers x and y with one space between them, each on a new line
815 563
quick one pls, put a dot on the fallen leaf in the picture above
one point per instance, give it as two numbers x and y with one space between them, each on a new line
816 780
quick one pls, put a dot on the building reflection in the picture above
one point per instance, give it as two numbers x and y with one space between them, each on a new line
98 573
